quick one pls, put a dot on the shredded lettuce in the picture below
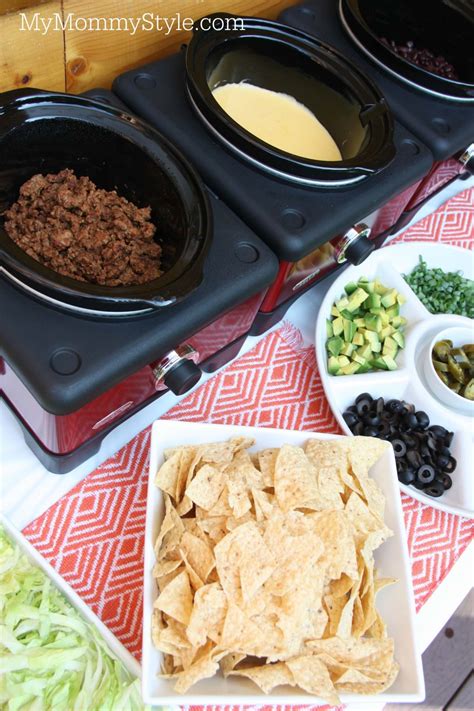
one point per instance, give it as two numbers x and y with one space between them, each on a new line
50 657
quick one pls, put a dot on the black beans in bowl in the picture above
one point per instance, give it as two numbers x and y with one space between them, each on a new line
422 450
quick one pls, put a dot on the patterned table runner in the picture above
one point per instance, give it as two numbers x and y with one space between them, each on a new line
93 536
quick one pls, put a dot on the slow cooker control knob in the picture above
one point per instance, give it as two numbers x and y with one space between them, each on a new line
467 159
355 246
177 370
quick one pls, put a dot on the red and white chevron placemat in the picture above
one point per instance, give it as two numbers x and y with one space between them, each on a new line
93 536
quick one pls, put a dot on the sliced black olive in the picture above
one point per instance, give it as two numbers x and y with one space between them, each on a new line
358 428
409 440
407 476
379 405
372 420
410 421
350 419
425 451
363 396
444 450
423 419
352 409
435 489
418 484
431 444
445 481
414 458
399 447
438 431
363 406
371 432
448 439
425 474
383 429
394 406
442 461
452 464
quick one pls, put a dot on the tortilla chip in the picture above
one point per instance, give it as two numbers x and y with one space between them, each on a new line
267 459
295 479
310 674
198 554
230 661
167 475
267 676
208 615
206 487
336 533
177 599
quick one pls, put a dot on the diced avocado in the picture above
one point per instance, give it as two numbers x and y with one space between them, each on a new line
379 288
399 321
356 299
334 345
390 347
338 326
359 359
365 351
377 310
373 323
393 311
380 363
390 363
343 361
384 317
333 365
345 313
399 339
329 329
343 303
370 288
358 339
335 311
390 298
349 330
374 301
350 369
350 287
364 368
363 280
372 338
401 299
360 322
386 331
348 349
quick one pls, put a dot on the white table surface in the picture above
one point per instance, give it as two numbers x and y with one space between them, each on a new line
27 489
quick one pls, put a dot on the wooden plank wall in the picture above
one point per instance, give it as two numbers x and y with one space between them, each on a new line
75 60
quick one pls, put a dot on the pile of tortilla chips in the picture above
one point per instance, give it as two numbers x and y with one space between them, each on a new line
265 566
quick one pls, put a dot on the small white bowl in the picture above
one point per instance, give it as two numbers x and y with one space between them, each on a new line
460 336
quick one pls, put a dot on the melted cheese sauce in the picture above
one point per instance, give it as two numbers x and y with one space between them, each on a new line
277 119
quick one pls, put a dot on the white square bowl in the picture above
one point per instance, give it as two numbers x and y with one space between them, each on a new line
396 603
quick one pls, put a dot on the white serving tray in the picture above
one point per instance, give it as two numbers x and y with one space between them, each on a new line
409 381
396 603
117 649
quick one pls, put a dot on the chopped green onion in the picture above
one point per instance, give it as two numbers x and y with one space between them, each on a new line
442 292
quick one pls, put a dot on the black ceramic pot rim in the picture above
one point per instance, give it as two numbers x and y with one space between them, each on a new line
375 155
170 288
407 72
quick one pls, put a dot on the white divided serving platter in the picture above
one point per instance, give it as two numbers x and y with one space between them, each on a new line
396 603
408 382
117 649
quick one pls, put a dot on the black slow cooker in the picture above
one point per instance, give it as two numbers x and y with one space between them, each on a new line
43 132
279 58
444 27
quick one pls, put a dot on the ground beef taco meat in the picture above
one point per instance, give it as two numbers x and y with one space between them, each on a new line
81 231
